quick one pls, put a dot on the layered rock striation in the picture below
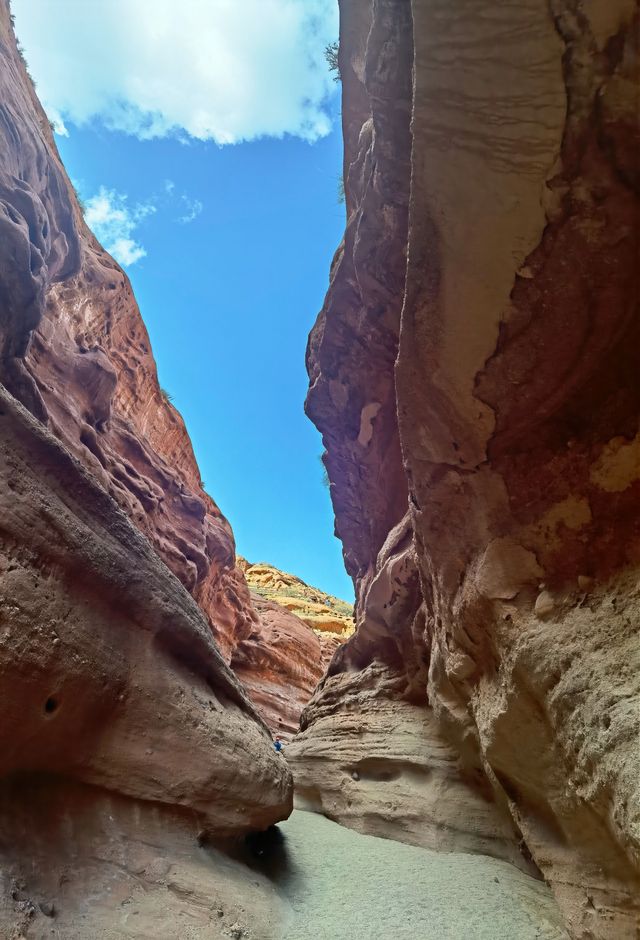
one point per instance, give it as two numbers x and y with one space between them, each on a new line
94 383
474 373
76 353
325 614
299 628
127 742
78 356
110 673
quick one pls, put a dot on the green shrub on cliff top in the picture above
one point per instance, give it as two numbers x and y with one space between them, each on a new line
331 55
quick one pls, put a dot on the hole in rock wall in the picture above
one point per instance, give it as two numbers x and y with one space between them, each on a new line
376 769
50 706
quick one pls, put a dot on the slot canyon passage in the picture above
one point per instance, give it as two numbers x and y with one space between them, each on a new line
466 764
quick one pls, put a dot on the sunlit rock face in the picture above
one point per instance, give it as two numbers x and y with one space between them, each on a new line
280 663
475 375
75 351
125 737
328 616
297 631
97 389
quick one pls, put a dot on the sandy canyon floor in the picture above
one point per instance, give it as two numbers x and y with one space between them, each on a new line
337 883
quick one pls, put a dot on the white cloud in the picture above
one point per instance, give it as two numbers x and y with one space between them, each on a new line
193 208
113 222
59 126
221 70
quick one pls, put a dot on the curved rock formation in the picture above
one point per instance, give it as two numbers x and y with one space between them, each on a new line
125 737
83 365
78 356
482 321
92 365
110 672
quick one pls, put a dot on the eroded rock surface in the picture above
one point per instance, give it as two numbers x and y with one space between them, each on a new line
124 733
111 680
474 372
109 670
323 612
280 663
75 351
297 631
105 866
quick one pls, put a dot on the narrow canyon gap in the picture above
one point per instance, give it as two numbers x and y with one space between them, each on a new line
475 376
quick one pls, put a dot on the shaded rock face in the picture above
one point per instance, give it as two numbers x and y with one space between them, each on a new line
483 311
38 239
123 869
124 732
121 720
110 672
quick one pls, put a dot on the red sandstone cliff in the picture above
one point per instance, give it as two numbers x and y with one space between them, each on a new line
127 743
475 375
86 370
298 630
96 387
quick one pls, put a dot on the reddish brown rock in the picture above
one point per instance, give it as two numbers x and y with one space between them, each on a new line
90 376
125 735
89 372
126 741
92 363
280 663
296 632
93 380
109 670
490 272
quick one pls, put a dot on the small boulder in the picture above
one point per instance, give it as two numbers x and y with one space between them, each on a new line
544 605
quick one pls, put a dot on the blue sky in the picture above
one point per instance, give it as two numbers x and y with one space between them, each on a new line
227 244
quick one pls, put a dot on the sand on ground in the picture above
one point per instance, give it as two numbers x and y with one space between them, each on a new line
340 885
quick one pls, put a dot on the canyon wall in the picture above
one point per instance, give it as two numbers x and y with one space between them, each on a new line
79 358
475 375
127 742
299 629
328 616
92 380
